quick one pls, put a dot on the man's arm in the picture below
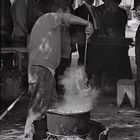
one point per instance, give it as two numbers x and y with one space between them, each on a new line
75 20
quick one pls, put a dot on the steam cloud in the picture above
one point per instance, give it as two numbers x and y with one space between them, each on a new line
78 96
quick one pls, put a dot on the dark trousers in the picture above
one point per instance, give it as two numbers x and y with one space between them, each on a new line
138 87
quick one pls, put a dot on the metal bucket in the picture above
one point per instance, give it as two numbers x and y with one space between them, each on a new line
68 123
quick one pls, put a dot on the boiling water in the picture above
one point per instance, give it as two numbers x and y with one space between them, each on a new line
78 96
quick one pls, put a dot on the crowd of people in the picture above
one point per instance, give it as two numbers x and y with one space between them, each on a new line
51 28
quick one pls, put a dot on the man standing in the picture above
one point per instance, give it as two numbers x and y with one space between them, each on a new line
115 59
137 52
44 57
6 34
35 9
19 20
85 11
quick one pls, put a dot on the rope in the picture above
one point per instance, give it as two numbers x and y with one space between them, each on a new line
85 56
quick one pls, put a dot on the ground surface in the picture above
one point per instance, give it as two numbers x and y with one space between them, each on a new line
123 122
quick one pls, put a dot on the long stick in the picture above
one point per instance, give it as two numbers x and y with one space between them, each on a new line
85 56
10 107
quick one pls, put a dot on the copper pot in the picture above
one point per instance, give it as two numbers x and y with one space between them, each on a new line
68 123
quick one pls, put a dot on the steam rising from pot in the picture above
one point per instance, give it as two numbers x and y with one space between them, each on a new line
78 96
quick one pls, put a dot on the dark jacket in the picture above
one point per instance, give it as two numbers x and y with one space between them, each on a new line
33 13
35 9
6 20
116 21
137 49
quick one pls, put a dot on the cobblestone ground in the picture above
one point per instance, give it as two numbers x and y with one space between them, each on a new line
123 122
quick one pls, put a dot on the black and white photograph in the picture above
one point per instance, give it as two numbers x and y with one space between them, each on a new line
70 70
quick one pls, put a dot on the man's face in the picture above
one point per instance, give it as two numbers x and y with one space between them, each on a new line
138 11
111 5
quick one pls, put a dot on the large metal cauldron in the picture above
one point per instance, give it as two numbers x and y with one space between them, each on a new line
68 123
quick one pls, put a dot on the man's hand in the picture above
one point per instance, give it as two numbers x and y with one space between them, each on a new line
89 30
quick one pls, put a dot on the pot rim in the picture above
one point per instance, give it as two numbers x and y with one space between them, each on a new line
55 111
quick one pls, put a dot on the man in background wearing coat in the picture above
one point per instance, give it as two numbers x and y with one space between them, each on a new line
137 52
85 11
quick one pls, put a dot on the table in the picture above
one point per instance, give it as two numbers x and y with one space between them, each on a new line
18 51
102 42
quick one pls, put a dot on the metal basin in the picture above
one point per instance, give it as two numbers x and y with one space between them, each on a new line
68 123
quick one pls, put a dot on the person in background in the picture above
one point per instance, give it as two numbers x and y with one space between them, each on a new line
6 34
137 52
35 9
44 51
19 35
6 20
19 8
84 11
116 62
115 27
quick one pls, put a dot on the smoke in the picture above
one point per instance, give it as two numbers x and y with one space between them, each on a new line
78 97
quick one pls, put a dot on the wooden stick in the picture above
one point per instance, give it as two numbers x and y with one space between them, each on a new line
85 56
10 107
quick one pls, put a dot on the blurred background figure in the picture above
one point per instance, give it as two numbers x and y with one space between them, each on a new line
86 10
115 27
19 34
19 8
6 34
115 59
137 52
6 20
35 9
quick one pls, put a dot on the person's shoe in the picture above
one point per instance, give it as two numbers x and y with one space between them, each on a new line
28 137
29 134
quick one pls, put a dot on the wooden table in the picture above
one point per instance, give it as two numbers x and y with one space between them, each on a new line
18 51
102 42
